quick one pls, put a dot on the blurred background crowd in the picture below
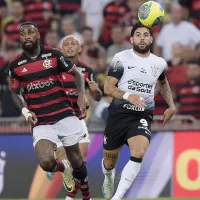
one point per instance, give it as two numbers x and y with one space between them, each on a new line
103 27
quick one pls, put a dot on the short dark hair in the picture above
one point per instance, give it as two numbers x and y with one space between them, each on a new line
28 23
194 62
139 25
86 28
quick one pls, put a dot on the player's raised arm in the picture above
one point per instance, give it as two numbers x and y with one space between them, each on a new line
115 72
166 93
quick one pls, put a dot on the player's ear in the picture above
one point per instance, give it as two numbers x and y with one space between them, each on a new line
151 39
80 49
38 35
131 39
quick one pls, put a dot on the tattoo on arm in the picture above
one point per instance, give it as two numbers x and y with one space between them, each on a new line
166 92
111 89
79 80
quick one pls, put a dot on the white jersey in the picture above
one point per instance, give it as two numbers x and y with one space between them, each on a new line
137 75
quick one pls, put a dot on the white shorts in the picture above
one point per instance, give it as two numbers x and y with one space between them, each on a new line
86 138
68 131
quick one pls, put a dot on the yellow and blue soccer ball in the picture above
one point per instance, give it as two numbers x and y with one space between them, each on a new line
151 14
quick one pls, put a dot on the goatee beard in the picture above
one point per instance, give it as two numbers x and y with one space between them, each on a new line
141 51
30 49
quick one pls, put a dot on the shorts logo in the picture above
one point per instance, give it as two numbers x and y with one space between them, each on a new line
105 140
47 63
132 107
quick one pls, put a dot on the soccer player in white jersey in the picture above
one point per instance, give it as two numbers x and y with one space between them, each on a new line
131 80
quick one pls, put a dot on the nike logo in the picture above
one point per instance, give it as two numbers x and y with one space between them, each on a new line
69 189
128 180
131 67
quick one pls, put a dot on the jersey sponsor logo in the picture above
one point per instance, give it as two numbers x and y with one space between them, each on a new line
46 55
63 61
154 70
39 84
139 87
24 70
47 63
132 107
131 67
22 62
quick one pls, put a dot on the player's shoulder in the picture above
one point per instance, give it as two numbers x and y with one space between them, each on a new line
123 54
18 60
49 49
158 60
84 66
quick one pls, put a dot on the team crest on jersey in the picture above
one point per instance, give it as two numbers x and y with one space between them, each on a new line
155 70
47 63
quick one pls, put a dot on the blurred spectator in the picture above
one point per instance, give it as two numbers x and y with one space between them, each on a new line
8 107
52 39
11 24
68 28
177 31
119 43
92 53
3 12
177 66
41 12
93 11
130 18
111 13
191 10
188 96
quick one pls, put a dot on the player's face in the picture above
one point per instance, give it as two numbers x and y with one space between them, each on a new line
29 37
142 40
71 47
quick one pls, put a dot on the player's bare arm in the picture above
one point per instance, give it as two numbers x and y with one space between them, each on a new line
20 102
80 84
94 90
111 90
166 93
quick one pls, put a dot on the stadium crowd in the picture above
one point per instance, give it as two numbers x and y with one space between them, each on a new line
103 27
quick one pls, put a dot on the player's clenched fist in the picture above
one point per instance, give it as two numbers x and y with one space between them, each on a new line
134 99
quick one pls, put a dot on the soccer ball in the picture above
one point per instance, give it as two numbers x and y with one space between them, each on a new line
151 14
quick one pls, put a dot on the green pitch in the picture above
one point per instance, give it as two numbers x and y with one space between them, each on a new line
124 199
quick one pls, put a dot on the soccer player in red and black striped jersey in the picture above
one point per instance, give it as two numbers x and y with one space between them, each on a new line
37 71
71 47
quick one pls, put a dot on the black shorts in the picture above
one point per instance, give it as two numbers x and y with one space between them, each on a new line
122 126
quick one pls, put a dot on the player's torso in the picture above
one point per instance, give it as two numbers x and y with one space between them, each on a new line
139 77
42 86
71 89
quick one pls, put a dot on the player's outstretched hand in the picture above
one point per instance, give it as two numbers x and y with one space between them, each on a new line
168 114
136 100
32 120
92 85
82 101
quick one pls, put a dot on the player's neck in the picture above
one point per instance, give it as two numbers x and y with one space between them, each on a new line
74 60
141 54
34 53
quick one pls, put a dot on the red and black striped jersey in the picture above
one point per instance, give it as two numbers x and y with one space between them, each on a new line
11 30
71 89
189 99
41 81
36 11
68 7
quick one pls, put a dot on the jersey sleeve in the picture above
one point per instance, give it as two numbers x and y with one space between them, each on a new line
14 81
116 68
163 74
64 64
